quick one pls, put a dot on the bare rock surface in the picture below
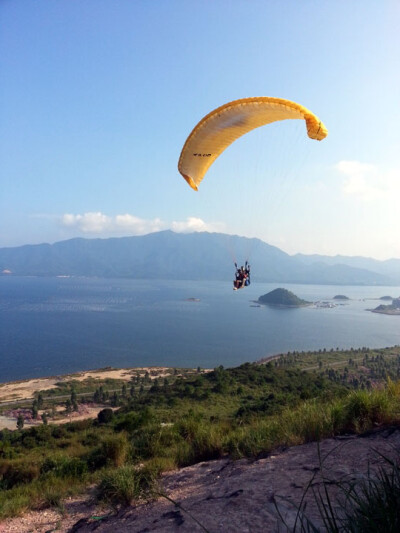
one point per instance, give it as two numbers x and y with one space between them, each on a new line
239 496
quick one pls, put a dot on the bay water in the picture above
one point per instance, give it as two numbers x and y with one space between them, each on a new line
53 326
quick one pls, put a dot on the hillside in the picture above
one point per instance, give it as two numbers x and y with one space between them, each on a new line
224 495
169 255
224 447
282 298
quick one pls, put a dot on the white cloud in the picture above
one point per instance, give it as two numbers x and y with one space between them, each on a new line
195 224
136 225
369 183
87 223
101 224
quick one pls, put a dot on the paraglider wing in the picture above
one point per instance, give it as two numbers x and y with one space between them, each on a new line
220 128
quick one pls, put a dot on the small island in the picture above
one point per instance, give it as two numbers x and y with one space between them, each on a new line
282 298
341 297
392 309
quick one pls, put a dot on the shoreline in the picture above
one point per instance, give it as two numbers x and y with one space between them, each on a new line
392 312
15 395
25 389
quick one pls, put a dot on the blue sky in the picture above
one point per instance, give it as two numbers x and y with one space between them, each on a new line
98 96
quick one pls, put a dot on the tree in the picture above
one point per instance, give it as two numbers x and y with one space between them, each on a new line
20 421
115 399
44 419
68 406
40 400
105 415
34 410
96 396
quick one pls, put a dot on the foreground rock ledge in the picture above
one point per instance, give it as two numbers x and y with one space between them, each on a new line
238 496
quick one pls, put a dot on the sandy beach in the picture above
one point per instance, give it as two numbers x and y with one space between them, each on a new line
26 389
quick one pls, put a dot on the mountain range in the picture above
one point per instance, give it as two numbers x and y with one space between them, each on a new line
193 256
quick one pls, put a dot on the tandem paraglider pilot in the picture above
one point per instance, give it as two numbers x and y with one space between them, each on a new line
242 276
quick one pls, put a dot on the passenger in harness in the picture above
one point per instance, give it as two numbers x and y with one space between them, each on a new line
242 277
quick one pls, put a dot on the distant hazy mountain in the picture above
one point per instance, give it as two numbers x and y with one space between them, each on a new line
195 256
390 267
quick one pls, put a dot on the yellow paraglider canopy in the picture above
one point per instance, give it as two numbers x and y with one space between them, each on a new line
220 128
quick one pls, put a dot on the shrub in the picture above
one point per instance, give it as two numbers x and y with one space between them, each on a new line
254 439
147 442
310 422
207 444
105 416
158 465
53 498
363 410
116 449
112 451
17 473
125 484
15 504
132 421
79 425
204 440
58 432
65 467
89 438
29 442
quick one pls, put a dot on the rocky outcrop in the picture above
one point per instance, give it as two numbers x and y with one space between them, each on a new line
236 496
243 496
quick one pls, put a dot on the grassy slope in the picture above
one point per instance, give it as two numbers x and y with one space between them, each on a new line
243 411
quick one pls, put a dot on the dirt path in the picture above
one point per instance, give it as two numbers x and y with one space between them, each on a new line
10 422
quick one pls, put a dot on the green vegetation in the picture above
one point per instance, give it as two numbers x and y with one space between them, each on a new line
125 484
90 384
362 368
282 298
245 411
341 297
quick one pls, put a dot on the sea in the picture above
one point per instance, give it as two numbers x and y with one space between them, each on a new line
55 326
